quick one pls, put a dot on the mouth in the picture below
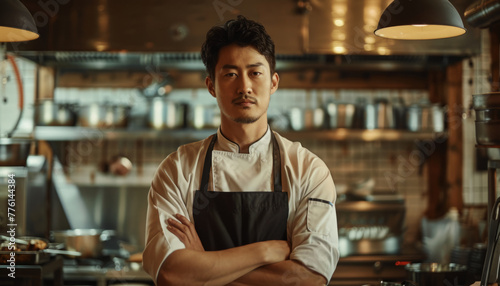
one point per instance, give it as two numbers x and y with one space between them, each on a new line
244 102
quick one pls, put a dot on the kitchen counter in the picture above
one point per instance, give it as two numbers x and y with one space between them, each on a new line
102 275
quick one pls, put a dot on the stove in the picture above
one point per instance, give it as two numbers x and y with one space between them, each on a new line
104 271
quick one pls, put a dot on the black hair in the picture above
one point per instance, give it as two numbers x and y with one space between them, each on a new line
242 32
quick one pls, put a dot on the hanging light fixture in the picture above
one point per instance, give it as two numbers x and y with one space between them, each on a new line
420 20
16 22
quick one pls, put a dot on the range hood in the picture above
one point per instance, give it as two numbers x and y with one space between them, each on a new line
114 33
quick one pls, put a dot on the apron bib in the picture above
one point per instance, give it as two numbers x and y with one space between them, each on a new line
228 219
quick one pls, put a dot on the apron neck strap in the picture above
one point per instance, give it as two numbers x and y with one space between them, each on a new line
276 164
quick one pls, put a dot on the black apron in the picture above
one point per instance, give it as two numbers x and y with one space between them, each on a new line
228 219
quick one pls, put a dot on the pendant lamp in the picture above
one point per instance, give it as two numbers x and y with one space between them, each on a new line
420 20
16 22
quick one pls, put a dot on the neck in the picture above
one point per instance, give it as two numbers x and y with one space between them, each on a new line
244 134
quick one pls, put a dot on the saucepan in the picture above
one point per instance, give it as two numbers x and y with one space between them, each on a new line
86 241
166 114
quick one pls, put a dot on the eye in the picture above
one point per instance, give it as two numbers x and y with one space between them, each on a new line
230 74
256 73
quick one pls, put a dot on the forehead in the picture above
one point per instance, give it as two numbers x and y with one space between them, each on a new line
234 55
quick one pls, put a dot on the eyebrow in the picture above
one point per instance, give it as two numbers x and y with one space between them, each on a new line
227 66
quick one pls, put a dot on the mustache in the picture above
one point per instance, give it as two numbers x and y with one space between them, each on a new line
244 98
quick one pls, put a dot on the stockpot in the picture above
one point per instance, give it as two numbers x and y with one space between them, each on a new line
50 113
104 115
166 114
205 116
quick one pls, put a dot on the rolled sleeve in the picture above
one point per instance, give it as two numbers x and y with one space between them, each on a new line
159 244
164 201
316 245
313 226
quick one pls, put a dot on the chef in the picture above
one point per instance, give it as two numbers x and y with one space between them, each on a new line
245 206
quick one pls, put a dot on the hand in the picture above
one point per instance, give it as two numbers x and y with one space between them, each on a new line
278 250
186 232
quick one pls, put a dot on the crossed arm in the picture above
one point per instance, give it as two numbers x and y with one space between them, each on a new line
261 263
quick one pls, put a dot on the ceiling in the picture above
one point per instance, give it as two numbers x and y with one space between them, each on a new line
128 33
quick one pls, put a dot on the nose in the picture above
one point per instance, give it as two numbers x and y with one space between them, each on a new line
244 85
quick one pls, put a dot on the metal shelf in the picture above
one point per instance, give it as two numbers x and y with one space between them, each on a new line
343 134
62 133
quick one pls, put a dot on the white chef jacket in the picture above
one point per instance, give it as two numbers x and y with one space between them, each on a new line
312 222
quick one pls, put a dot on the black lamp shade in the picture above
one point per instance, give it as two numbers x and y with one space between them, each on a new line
16 22
420 20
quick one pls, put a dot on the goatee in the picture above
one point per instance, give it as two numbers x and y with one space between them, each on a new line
246 120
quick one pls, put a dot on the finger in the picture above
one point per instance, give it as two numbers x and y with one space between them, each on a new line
176 224
177 233
183 220
185 230
187 223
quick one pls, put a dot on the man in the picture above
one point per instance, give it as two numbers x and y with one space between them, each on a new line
244 206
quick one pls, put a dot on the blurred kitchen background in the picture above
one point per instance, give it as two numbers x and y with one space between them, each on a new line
112 87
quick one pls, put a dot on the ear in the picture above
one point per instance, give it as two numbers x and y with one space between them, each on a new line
275 79
210 86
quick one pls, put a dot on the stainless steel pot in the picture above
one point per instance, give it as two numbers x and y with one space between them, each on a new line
487 107
430 274
306 118
385 115
340 115
104 116
166 114
426 117
88 242
205 116
95 115
50 113
14 152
